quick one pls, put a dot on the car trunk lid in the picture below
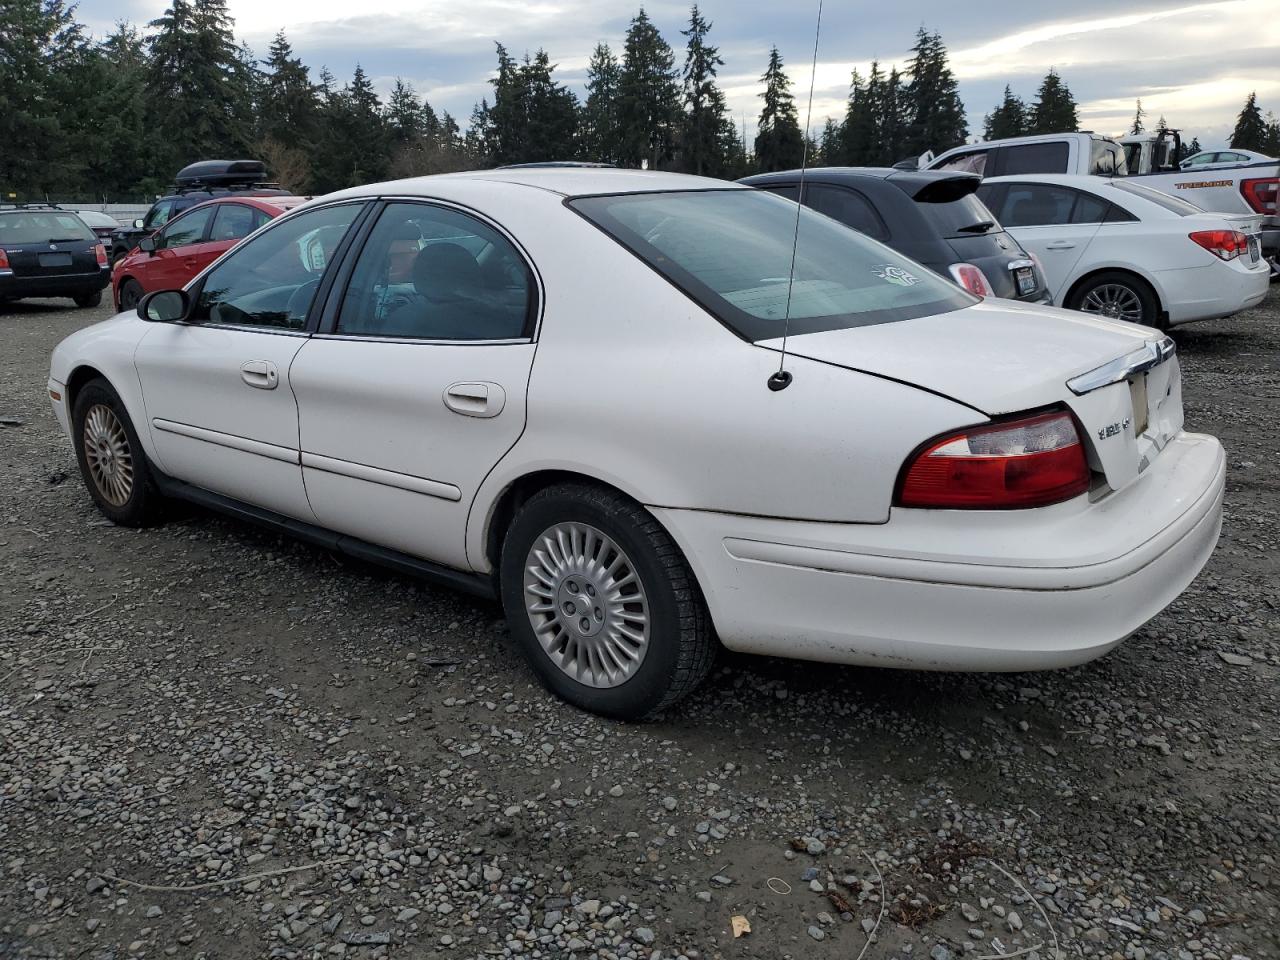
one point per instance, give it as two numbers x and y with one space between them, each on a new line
1002 359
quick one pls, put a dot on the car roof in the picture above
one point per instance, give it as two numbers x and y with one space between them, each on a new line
1081 181
272 205
823 173
565 181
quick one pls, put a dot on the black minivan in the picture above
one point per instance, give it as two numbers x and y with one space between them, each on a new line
933 217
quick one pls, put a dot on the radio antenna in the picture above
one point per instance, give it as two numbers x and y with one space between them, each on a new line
780 379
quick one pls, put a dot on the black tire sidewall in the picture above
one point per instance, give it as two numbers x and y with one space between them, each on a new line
127 287
86 301
642 693
1150 307
142 506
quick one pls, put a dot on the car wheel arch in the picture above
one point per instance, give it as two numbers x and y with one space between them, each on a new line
1080 281
78 378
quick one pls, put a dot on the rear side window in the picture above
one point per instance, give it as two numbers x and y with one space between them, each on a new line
974 161
1034 158
159 215
1106 159
1041 205
848 206
234 221
41 227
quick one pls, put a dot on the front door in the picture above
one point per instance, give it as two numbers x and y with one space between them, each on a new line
419 389
220 407
174 261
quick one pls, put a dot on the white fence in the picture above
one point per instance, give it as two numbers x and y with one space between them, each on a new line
126 213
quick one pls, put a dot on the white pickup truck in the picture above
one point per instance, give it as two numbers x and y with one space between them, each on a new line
1248 189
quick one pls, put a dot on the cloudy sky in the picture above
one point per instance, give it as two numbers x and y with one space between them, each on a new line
1193 62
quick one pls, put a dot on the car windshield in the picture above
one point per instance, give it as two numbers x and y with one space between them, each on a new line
41 227
965 217
731 251
1182 208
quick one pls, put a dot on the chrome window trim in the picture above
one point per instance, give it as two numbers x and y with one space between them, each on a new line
1150 355
369 338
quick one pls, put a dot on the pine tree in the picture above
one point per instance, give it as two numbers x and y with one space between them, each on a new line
479 140
1272 144
355 140
551 116
708 133
1251 130
288 116
116 116
507 129
1009 119
408 118
1055 108
858 133
599 122
648 97
830 145
779 144
891 121
936 119
1139 115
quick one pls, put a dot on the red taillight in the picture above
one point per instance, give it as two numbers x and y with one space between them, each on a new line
1223 244
1262 194
972 279
101 252
1021 463
4 260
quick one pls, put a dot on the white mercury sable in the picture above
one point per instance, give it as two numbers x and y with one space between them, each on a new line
552 385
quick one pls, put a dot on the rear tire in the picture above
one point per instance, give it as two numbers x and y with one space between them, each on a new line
89 300
113 464
130 293
636 637
1118 296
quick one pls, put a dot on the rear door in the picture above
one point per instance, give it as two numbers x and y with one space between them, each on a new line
415 387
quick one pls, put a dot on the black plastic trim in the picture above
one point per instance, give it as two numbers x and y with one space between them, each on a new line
472 583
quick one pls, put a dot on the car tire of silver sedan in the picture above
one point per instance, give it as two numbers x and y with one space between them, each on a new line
112 462
1117 295
603 603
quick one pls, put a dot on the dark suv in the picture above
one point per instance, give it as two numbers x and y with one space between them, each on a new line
194 184
933 217
47 252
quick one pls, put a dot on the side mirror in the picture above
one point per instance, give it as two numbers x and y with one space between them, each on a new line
164 306
137 224
147 244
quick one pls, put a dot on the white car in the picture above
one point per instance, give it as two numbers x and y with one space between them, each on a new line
567 388
1218 159
1125 251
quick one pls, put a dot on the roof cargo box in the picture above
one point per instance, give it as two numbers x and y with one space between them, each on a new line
221 173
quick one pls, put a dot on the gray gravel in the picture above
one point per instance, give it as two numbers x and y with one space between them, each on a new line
206 705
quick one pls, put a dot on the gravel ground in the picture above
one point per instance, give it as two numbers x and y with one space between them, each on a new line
216 742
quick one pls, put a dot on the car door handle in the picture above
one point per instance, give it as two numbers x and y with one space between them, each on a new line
261 374
1060 245
475 398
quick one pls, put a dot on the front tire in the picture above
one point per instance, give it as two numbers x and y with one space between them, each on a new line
89 299
602 603
130 294
112 462
1117 296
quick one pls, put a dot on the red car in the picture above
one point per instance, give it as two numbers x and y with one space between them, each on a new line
172 256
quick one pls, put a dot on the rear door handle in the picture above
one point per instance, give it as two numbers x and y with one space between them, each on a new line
1060 245
475 398
261 374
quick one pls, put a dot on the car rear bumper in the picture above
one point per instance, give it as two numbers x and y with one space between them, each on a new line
962 590
1213 291
66 285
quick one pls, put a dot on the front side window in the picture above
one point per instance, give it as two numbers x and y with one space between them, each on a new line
975 161
433 273
1201 160
731 252
1034 158
185 230
271 280
158 216
848 206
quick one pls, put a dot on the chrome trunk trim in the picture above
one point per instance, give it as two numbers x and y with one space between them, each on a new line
1151 354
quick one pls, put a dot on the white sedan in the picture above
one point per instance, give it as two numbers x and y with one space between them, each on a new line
562 388
1124 250
1219 159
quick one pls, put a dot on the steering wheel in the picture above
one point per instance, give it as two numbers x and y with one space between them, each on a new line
300 302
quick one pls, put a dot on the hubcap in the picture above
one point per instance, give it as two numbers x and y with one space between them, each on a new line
106 450
1114 300
586 604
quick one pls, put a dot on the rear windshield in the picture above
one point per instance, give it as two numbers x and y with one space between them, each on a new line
966 217
1173 204
42 227
731 251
